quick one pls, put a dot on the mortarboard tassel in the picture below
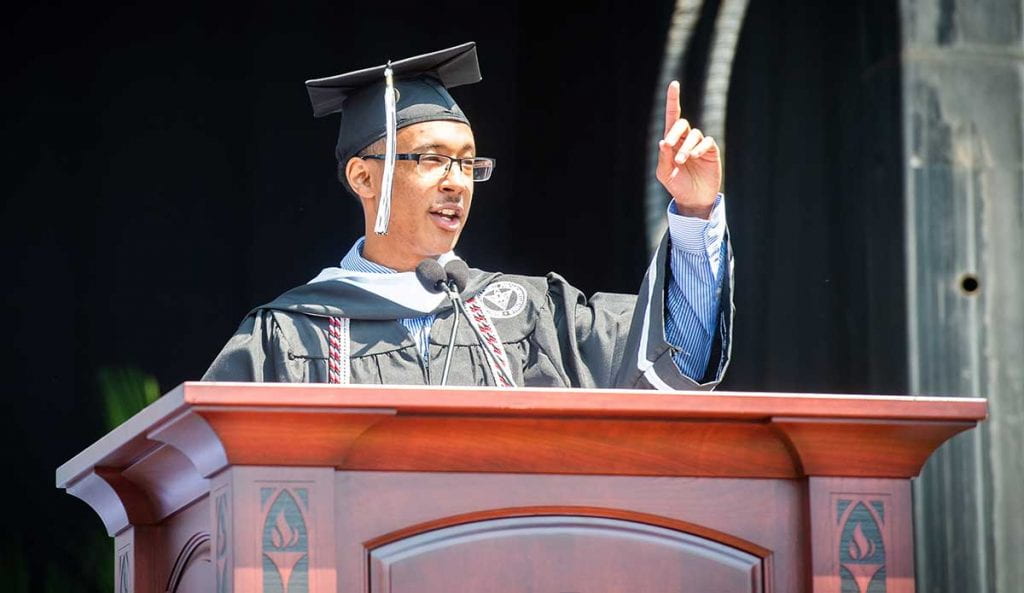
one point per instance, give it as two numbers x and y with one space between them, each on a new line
384 208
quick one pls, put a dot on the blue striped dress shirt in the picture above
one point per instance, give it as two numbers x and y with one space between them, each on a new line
698 265
698 260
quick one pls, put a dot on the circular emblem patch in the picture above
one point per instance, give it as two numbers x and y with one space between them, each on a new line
503 299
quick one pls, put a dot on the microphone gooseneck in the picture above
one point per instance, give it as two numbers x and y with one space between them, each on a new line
453 296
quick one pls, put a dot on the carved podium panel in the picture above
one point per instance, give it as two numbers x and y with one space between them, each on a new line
320 489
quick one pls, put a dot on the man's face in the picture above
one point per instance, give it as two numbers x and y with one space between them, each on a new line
428 212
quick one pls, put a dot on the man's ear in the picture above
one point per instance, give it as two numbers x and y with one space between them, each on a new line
360 177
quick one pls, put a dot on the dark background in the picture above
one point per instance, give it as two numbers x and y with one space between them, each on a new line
163 174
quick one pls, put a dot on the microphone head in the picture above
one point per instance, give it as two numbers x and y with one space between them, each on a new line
430 274
458 272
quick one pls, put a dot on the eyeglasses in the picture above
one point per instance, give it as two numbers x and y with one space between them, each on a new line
437 166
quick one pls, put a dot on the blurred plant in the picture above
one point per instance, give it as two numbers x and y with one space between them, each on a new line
59 581
13 566
81 562
125 391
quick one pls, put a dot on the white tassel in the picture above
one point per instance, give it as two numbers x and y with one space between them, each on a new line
384 208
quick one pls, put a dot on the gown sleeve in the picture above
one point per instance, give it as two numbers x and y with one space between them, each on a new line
258 352
650 362
618 341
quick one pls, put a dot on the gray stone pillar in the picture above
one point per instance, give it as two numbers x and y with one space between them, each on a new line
963 79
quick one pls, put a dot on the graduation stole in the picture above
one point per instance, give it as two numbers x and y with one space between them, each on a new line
489 339
339 368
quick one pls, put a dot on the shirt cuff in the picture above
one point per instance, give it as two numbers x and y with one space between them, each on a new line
690 234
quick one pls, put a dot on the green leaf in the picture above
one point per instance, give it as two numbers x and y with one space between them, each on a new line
125 391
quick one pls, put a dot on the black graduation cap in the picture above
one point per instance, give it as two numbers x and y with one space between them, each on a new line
422 82
368 114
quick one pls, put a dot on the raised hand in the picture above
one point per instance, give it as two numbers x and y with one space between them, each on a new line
689 164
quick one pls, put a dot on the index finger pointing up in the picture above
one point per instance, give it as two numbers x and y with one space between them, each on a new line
672 108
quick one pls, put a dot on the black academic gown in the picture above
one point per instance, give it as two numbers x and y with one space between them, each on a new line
553 336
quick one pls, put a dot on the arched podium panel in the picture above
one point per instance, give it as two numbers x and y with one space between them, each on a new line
322 489
561 553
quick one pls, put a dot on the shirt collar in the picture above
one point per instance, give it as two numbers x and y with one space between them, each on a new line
354 260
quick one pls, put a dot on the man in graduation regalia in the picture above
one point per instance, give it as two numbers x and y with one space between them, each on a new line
407 152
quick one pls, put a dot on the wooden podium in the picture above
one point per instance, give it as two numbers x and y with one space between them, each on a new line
230 487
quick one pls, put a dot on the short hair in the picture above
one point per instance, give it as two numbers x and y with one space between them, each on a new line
375 147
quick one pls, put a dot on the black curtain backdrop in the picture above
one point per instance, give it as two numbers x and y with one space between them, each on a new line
164 175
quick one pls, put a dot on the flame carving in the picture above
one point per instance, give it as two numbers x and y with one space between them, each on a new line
223 574
861 547
284 543
862 575
284 535
222 527
124 569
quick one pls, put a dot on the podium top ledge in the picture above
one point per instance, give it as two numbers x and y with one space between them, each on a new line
610 403
371 427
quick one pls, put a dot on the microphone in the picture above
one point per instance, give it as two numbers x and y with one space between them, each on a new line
458 273
431 275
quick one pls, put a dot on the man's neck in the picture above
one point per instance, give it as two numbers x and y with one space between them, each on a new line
377 250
